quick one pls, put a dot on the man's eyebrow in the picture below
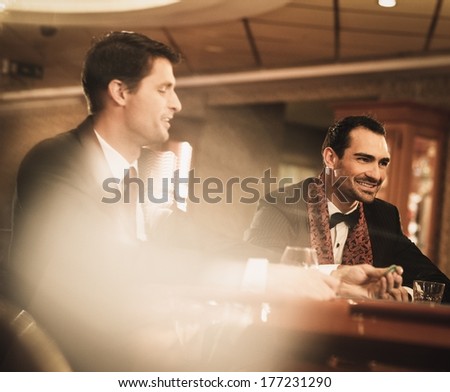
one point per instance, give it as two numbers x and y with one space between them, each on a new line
364 155
166 84
371 157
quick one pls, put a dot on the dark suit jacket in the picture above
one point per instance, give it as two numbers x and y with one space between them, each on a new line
57 208
281 219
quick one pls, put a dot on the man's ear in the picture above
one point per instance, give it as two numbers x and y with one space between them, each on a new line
329 157
117 91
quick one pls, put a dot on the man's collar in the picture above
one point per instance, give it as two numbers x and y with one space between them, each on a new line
333 209
116 162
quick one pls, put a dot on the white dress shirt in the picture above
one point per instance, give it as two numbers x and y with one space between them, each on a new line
339 233
119 166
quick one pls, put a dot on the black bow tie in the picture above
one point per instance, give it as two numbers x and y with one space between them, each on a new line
350 219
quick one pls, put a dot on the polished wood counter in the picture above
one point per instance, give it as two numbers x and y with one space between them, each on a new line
363 335
258 333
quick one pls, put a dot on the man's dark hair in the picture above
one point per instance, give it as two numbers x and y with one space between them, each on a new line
338 134
126 56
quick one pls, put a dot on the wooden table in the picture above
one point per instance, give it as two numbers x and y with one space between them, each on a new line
361 335
257 333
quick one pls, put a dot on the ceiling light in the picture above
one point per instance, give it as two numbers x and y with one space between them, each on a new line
84 6
387 3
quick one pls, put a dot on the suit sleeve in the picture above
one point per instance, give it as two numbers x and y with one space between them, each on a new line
280 220
400 250
419 267
270 228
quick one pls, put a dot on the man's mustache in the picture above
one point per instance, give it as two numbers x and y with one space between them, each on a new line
369 180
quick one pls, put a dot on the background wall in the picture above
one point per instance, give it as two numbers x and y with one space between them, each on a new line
444 249
237 142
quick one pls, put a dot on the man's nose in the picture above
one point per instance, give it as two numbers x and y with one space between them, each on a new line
175 103
376 172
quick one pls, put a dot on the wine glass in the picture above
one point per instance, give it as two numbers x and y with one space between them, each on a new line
299 256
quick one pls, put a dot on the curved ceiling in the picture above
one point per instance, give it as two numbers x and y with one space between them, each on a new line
139 13
82 6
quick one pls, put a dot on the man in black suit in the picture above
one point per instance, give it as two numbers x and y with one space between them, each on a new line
338 212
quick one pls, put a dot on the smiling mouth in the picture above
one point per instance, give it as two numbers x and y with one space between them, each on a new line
167 120
368 185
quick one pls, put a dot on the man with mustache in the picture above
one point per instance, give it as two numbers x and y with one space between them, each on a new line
338 213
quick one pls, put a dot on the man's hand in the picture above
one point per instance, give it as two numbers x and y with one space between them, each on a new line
292 281
366 281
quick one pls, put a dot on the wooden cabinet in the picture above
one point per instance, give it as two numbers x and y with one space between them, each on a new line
416 136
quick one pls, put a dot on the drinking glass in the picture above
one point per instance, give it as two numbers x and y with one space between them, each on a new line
300 256
425 291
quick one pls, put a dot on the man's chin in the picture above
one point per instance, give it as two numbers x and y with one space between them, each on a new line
163 137
367 198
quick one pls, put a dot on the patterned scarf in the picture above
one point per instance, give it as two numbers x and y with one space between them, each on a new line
357 248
